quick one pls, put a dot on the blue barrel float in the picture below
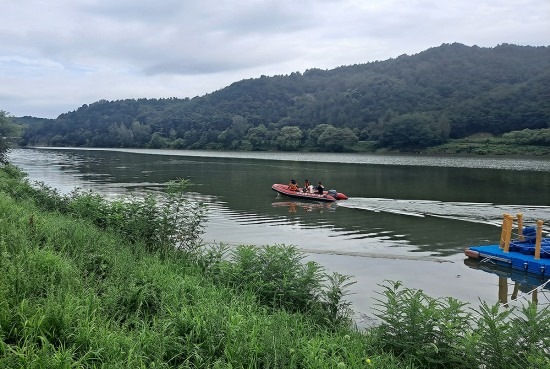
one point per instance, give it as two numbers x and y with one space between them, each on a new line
529 253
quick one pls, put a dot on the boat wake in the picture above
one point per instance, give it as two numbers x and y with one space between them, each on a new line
486 213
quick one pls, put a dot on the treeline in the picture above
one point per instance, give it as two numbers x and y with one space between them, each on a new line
411 102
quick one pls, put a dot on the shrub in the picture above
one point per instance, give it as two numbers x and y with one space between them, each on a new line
428 330
166 222
439 333
279 279
529 137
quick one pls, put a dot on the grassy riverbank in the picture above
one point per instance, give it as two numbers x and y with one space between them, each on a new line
489 147
86 283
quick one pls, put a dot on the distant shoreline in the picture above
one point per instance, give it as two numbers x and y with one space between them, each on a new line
520 163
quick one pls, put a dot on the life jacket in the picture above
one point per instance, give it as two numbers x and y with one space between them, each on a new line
293 187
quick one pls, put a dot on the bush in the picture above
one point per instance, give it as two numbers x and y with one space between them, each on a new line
279 279
529 137
440 333
166 221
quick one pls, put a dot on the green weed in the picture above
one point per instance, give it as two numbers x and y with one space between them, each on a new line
440 333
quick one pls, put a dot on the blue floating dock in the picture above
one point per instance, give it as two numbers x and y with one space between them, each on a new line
512 259
519 276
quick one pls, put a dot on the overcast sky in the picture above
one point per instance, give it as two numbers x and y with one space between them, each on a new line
56 55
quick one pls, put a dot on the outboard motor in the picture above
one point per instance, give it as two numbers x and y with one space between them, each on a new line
333 193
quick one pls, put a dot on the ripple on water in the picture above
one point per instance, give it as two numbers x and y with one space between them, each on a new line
455 161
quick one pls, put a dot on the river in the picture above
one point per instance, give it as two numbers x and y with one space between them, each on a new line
408 217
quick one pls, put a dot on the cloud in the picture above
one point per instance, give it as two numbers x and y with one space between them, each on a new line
64 53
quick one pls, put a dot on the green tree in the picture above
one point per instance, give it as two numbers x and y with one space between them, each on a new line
57 140
337 139
315 133
232 136
529 137
411 131
191 136
121 135
142 133
157 141
9 133
289 138
257 136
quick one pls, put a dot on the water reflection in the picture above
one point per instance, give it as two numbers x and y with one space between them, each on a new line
451 161
515 285
293 206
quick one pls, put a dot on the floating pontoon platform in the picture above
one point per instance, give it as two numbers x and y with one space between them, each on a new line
518 276
512 259
530 253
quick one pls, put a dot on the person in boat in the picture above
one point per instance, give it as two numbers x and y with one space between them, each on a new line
307 184
320 188
293 186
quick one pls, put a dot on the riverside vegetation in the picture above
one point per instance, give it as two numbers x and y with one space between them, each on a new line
91 283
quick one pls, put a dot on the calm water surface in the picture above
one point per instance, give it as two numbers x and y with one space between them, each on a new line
408 217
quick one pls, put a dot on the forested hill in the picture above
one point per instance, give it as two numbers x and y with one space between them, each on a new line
450 91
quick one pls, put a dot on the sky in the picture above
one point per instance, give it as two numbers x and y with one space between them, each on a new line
57 55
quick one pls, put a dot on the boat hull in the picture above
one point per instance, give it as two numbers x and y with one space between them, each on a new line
283 189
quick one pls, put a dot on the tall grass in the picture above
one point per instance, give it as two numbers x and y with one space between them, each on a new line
280 279
165 222
443 333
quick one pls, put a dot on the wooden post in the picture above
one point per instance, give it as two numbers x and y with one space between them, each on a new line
539 239
503 290
508 235
515 292
520 227
503 231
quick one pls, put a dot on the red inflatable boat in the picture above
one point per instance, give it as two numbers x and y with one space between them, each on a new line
283 189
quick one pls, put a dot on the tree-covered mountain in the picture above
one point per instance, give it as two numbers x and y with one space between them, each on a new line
410 102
